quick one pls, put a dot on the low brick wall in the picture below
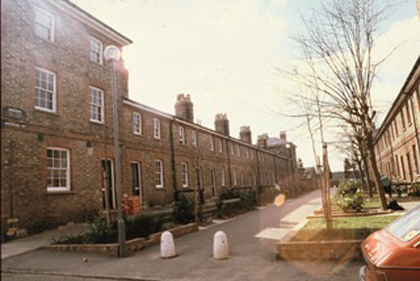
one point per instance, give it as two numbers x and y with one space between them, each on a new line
318 250
131 245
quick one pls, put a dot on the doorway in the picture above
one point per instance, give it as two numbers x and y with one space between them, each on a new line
108 179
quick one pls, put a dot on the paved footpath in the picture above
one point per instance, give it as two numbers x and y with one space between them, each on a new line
251 238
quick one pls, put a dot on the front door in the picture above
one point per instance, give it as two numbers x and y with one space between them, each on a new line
108 183
200 185
213 182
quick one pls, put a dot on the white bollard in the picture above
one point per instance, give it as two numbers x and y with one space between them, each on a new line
167 245
220 246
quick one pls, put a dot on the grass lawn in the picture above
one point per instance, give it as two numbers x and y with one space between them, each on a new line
344 228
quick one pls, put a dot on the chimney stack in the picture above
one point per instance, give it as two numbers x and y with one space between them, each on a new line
184 108
283 136
245 134
221 124
262 141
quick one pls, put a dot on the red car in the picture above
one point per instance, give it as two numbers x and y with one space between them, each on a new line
394 252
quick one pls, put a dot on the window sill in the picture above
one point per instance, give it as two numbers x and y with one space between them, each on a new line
160 187
58 192
41 110
97 63
96 122
52 42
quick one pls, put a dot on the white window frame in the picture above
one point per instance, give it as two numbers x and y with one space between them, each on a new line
67 169
160 173
137 123
101 106
54 91
194 138
181 134
235 180
156 128
96 52
238 151
184 169
232 149
51 28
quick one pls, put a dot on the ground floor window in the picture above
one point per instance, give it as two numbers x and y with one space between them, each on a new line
159 173
184 175
58 169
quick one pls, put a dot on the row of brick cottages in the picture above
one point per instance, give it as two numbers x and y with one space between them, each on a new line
57 126
161 155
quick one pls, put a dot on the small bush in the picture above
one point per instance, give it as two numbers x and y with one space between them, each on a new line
184 210
349 196
142 226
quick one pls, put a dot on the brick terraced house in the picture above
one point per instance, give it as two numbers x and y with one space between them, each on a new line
57 133
397 141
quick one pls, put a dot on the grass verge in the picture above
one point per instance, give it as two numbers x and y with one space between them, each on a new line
353 228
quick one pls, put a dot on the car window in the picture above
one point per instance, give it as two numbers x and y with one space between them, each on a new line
406 227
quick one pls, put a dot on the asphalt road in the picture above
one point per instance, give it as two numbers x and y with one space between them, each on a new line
251 258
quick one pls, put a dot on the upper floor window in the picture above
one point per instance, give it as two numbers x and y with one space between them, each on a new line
194 138
96 98
184 175
159 173
44 25
407 107
95 50
220 145
211 143
402 117
137 123
58 169
181 133
156 128
45 90
238 150
232 151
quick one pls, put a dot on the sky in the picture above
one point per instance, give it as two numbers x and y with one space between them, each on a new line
224 53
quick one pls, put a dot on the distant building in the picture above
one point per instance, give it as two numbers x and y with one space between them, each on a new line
397 141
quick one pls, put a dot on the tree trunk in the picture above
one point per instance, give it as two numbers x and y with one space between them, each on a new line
375 171
367 173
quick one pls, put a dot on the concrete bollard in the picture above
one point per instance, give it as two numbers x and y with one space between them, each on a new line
167 245
220 246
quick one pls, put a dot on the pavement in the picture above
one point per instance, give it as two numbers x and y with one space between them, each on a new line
251 239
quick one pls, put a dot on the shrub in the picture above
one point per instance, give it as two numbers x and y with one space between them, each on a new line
349 196
184 210
142 226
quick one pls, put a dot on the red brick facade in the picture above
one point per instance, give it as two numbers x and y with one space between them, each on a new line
26 140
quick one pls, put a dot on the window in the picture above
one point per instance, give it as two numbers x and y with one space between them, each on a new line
137 123
136 178
184 175
45 90
247 152
58 169
407 110
44 25
396 128
96 105
194 138
95 50
232 151
238 151
416 163
220 145
181 133
242 179
397 165
402 167
235 182
402 117
211 143
223 177
159 173
156 128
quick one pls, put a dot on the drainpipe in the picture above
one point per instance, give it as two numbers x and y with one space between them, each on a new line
173 160
415 132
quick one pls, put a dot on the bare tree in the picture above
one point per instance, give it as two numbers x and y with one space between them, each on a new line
338 61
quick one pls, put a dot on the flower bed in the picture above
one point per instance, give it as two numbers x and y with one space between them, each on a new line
132 245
